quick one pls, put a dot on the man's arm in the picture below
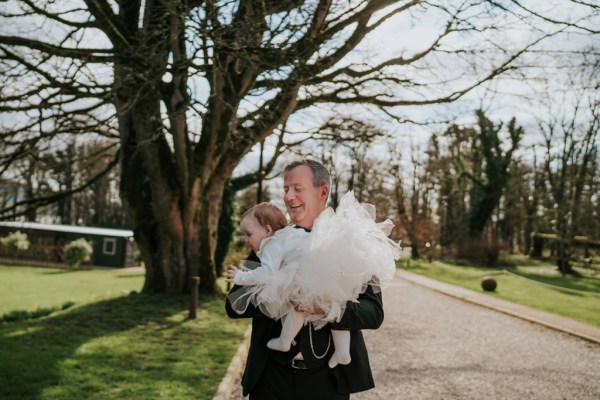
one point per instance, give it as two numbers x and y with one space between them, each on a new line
366 314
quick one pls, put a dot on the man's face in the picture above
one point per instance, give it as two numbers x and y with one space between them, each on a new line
304 202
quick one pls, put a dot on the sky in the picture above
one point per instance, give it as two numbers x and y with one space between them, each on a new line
546 94
408 33
503 98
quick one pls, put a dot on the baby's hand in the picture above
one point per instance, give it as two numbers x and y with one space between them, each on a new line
231 271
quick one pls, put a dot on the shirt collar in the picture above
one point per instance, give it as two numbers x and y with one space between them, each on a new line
305 229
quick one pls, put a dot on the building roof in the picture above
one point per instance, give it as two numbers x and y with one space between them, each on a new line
87 230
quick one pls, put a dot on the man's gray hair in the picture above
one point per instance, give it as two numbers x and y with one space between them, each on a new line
320 174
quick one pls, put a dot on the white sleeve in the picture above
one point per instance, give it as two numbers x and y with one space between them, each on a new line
271 257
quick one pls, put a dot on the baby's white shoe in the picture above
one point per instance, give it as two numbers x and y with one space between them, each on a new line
339 358
278 345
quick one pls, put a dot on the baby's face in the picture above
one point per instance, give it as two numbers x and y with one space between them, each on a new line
253 231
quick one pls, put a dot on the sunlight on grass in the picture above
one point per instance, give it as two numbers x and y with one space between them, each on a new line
132 347
27 330
28 288
113 343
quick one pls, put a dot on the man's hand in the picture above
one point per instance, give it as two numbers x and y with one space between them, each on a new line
231 271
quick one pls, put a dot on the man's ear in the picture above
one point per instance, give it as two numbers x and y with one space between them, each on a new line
324 192
269 230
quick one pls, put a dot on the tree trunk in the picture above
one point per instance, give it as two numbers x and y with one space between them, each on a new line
527 234
537 246
208 214
149 192
563 243
414 250
176 231
562 262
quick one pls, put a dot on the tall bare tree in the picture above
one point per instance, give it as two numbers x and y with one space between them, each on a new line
571 151
411 192
187 88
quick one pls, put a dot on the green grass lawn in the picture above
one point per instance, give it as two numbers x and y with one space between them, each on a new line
29 288
541 290
111 345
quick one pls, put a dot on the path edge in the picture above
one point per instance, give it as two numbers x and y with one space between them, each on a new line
234 369
503 306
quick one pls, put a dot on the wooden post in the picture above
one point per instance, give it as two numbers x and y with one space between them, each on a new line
194 303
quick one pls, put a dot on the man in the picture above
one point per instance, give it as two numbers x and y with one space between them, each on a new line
302 373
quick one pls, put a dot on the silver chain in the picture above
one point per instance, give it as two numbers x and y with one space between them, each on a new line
311 343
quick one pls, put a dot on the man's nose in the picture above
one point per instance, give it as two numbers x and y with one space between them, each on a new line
289 195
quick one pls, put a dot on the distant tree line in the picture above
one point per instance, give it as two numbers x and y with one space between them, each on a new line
184 90
51 172
475 190
470 192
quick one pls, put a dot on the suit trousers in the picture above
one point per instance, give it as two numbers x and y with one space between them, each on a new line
282 382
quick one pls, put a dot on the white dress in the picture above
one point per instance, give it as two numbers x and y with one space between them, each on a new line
264 283
345 252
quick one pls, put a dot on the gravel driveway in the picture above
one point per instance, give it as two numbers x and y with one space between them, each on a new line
432 346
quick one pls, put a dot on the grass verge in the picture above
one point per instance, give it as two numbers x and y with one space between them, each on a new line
133 346
539 287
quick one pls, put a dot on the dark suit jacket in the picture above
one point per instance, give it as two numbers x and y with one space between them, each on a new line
351 378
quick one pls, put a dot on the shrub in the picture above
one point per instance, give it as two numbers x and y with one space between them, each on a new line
137 256
15 242
77 251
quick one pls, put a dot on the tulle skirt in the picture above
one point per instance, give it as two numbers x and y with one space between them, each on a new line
346 252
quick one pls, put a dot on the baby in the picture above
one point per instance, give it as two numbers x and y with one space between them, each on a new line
280 249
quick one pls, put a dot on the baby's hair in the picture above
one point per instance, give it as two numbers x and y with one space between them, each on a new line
267 214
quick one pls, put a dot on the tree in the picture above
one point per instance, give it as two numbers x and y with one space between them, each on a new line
490 173
532 195
571 151
472 174
187 88
443 148
98 205
412 199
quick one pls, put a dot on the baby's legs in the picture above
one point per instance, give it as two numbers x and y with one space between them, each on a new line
292 323
341 343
